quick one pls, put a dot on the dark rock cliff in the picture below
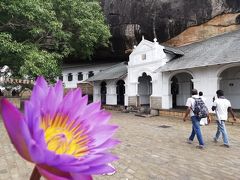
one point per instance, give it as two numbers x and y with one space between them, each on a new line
164 19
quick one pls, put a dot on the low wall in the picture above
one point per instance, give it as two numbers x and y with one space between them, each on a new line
181 113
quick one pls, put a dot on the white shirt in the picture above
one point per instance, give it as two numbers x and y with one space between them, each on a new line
190 103
222 108
203 99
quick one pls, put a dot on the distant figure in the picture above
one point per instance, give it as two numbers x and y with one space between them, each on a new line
1 93
203 121
195 119
222 106
14 92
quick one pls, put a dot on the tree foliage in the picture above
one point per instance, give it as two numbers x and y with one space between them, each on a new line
35 35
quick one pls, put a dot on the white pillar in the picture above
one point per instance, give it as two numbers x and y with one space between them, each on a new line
209 92
126 95
155 88
166 92
111 97
136 88
208 87
85 75
75 78
65 80
96 92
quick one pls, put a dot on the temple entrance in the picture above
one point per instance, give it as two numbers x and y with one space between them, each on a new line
103 92
230 84
181 86
120 89
144 89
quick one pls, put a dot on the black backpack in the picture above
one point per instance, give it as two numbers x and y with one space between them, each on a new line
200 109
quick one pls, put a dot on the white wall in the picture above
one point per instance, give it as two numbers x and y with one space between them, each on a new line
207 80
85 69
96 91
111 96
155 58
230 84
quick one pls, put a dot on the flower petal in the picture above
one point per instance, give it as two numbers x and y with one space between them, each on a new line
77 176
91 108
98 119
110 143
53 100
16 128
63 162
53 174
73 99
40 91
102 134
102 169
75 110
59 90
104 158
32 117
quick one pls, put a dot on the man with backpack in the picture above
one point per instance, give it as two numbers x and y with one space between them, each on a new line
222 106
197 110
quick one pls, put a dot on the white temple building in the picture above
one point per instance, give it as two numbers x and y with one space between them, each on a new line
162 77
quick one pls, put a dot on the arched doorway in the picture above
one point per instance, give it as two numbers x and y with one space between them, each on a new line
181 86
103 92
230 84
174 91
120 90
144 89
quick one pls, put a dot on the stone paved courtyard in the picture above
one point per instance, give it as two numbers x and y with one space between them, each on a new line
151 152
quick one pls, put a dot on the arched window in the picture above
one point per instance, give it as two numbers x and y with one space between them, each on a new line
70 77
103 92
61 77
90 74
120 90
80 76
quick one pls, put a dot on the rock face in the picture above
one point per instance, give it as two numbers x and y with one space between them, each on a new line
216 26
164 19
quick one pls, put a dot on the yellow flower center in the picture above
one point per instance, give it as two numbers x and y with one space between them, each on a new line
63 136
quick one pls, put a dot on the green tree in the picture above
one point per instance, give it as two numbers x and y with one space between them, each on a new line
35 35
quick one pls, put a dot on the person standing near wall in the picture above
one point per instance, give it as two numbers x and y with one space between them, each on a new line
222 106
203 121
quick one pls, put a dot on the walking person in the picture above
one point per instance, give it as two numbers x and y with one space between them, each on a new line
196 130
203 121
222 106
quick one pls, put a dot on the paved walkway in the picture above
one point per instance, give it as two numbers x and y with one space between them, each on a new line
150 152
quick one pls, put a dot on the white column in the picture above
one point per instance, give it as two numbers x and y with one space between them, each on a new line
126 94
155 88
75 78
132 89
209 92
111 97
64 77
208 87
136 88
85 75
96 92
166 92
65 80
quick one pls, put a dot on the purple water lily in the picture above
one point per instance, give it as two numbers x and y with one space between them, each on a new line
62 135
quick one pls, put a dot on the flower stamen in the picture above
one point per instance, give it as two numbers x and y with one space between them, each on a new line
63 137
